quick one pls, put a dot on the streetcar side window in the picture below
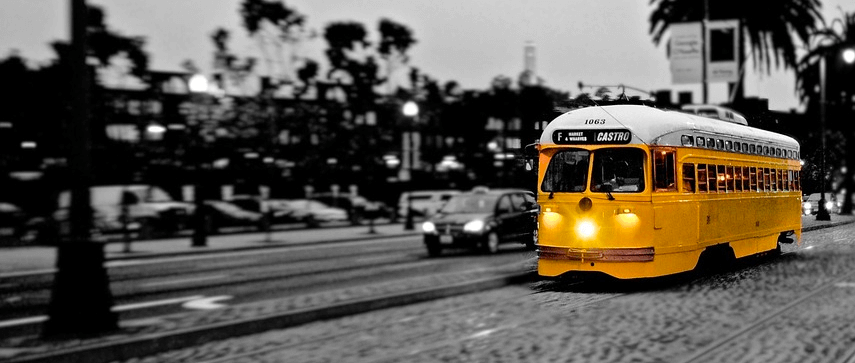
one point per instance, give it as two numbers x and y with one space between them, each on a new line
752 182
701 142
753 149
719 144
688 178
745 147
728 174
766 150
702 178
767 180
780 179
761 185
797 180
775 181
710 143
746 185
664 171
738 147
792 180
787 176
567 172
737 178
711 178
722 183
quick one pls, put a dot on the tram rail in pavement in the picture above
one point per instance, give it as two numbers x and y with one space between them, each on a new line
142 338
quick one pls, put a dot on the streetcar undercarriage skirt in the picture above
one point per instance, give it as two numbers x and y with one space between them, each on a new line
643 254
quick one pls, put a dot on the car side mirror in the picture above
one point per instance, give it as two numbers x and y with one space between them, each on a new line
528 166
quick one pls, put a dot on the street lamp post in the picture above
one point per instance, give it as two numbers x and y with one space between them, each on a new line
411 110
198 85
81 300
849 58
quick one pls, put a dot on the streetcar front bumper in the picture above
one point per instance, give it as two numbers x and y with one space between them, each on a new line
644 254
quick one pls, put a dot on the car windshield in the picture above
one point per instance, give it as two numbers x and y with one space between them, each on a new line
619 170
567 171
470 203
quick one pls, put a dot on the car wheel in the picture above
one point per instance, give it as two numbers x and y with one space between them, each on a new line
491 244
145 230
433 249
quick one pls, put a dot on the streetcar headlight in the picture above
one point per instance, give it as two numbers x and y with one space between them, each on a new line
585 229
474 226
428 227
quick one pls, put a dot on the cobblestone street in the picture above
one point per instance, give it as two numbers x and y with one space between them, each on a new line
796 307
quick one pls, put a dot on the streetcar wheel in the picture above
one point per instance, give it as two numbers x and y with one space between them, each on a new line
491 244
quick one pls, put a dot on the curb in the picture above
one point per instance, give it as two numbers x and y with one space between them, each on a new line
161 342
271 245
822 226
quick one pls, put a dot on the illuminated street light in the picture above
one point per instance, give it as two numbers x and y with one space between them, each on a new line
849 55
198 83
410 109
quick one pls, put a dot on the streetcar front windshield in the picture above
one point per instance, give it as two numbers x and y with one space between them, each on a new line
619 170
567 171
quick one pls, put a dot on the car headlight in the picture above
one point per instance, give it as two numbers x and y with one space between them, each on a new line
474 226
829 205
428 227
808 205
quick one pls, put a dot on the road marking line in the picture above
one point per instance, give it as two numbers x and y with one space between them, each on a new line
149 304
208 303
181 281
27 273
41 318
22 321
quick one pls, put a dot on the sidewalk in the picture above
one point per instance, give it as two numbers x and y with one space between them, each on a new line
43 258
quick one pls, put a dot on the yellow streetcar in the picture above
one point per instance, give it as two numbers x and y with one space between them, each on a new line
634 191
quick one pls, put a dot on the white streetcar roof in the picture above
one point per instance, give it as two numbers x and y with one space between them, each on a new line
653 126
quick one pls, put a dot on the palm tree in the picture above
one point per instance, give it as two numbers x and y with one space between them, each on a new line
829 44
769 26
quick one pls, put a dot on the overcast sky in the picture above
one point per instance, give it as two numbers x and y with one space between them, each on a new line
469 41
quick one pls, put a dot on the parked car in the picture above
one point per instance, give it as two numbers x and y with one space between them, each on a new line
358 208
222 214
150 210
13 223
483 219
810 204
276 209
313 212
425 203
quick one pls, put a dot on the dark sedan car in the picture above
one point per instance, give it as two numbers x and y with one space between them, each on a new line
483 219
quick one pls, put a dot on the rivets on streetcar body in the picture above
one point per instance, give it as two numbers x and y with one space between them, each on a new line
585 204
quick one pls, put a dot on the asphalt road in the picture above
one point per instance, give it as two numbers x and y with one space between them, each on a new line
151 287
794 307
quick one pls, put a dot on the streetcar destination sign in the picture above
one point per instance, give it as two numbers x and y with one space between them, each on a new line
570 137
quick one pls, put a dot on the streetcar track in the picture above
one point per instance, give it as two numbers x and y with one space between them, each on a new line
413 351
362 330
769 316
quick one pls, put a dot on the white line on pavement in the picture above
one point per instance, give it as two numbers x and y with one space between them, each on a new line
148 304
181 281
